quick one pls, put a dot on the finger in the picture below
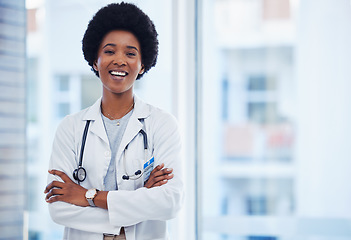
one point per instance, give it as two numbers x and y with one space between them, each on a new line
155 172
160 183
158 172
162 172
53 184
167 170
61 174
152 181
162 178
54 192
157 168
55 198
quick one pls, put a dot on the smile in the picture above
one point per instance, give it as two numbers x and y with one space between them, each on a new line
118 74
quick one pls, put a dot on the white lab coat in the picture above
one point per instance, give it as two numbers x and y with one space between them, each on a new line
142 211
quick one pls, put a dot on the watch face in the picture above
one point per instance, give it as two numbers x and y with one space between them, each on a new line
90 193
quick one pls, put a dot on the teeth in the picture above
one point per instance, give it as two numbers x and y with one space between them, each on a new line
120 74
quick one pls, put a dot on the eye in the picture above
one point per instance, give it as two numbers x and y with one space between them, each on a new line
132 54
110 52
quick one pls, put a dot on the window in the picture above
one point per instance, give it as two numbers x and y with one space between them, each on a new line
268 98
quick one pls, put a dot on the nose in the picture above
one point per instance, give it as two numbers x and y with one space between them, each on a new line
119 60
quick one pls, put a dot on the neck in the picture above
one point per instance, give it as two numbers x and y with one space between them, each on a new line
115 106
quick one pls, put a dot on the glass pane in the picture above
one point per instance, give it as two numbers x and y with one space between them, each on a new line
63 109
269 97
63 83
90 89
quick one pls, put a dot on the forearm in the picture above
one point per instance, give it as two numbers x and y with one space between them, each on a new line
158 177
101 199
159 203
91 219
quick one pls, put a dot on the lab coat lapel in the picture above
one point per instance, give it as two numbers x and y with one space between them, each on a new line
141 111
97 126
133 128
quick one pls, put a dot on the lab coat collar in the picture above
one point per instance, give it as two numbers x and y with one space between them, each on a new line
141 111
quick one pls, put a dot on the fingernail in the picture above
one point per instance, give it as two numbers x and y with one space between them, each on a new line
169 169
171 175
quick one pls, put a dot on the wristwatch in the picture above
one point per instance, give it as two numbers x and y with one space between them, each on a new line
90 195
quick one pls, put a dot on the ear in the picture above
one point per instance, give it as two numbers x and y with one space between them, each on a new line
142 69
95 66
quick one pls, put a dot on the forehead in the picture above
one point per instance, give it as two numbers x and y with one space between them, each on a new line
120 38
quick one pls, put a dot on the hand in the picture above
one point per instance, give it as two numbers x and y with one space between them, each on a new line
66 191
159 176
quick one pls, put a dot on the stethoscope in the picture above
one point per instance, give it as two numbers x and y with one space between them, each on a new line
139 172
80 174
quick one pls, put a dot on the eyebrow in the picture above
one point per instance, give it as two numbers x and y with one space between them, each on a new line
114 45
132 47
109 44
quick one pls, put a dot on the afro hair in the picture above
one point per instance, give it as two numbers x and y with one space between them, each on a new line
121 16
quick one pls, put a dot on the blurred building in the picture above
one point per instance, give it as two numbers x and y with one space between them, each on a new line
13 185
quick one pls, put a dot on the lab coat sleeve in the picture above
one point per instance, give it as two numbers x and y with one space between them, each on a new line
63 157
158 203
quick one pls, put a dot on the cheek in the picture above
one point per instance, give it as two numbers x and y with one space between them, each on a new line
138 66
99 62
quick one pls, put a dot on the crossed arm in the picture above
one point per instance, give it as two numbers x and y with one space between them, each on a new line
70 192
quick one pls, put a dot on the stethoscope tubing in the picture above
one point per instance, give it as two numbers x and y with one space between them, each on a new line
85 133
135 176
139 172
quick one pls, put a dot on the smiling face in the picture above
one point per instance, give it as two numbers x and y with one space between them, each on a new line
119 62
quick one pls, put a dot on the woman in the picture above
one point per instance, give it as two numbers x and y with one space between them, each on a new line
129 181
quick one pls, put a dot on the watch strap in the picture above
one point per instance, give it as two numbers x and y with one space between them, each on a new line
91 200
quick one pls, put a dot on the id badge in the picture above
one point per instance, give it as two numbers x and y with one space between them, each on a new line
148 166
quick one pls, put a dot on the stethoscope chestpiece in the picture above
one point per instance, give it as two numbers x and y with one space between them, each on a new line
79 174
